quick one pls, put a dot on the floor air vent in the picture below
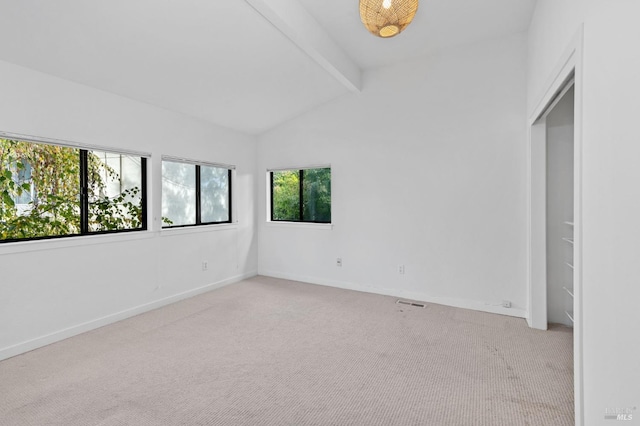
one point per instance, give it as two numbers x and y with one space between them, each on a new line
406 302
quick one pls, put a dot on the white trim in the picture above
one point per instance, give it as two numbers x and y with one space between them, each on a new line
301 28
300 225
536 226
235 215
571 62
422 297
309 167
56 336
558 97
198 229
72 241
70 144
174 159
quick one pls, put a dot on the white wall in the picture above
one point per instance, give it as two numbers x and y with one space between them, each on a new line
610 190
553 25
611 207
428 171
52 289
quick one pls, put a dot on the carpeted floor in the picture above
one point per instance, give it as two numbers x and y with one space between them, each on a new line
275 352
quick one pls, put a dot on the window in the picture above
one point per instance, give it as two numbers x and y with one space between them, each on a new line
49 191
301 195
195 193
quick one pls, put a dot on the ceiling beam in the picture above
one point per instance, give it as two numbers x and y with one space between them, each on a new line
293 20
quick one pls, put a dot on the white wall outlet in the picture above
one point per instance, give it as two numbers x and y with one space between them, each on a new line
339 261
401 269
205 266
506 304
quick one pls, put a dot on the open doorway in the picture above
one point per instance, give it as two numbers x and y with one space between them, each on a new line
559 209
552 211
555 218
554 267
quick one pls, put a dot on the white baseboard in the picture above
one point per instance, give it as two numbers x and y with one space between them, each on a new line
422 297
56 336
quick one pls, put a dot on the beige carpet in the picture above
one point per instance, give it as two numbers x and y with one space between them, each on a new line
276 352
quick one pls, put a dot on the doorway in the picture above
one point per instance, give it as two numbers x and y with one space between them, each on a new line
554 219
559 123
552 190
557 116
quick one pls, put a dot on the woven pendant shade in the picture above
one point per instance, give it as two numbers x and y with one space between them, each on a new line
386 18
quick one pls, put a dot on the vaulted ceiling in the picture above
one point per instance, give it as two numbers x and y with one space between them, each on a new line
248 65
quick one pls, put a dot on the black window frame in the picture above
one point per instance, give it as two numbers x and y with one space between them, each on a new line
300 196
198 166
83 153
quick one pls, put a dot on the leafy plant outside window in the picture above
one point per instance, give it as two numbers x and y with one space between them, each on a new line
51 191
195 194
301 195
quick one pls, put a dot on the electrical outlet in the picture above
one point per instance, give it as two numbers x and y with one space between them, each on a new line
506 304
339 261
205 266
401 269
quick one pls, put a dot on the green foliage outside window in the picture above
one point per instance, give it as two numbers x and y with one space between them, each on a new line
301 195
286 195
316 195
48 176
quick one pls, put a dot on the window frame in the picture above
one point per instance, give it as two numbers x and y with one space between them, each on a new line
300 171
83 201
198 213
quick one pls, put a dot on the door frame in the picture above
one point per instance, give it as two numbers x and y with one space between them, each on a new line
569 66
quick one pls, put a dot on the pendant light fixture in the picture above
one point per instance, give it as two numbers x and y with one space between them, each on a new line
387 18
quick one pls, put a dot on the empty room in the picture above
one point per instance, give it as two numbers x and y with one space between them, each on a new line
338 212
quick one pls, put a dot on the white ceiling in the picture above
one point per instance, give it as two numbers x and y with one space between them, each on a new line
438 24
223 61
